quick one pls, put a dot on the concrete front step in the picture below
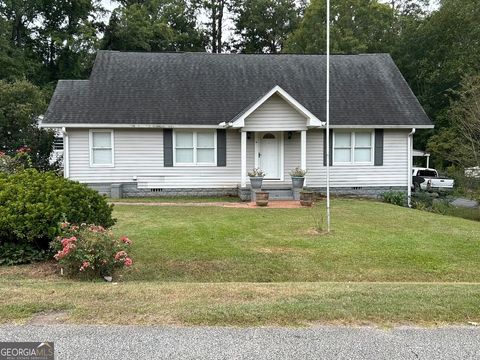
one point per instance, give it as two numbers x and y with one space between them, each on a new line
278 194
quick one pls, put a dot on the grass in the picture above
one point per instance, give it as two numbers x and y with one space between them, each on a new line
470 214
371 241
240 304
382 264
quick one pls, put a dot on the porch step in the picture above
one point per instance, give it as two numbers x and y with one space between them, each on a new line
279 194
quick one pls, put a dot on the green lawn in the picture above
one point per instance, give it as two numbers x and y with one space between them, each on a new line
382 264
239 304
371 241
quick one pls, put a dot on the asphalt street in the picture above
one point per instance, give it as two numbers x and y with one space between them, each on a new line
322 342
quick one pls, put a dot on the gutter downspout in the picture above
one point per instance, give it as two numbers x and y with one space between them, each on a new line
410 164
66 157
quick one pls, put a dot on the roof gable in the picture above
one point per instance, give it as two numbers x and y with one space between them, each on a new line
311 120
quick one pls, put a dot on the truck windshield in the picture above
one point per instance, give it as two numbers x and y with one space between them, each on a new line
427 173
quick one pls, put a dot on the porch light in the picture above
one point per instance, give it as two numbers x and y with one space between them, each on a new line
289 135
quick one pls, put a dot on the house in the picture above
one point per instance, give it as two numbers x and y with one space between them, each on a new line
194 123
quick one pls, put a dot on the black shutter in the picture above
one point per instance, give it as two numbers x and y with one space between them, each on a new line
221 147
167 147
325 147
378 147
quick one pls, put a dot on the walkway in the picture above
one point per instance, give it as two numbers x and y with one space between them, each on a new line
272 204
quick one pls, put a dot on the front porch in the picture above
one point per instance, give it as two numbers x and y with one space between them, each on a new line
274 138
276 153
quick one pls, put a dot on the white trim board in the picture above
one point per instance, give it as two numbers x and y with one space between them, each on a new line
129 126
312 120
192 126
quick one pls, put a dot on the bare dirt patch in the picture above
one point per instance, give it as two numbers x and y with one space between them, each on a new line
47 269
282 250
49 318
315 232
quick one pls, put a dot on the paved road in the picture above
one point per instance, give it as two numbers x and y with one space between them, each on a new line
325 342
465 203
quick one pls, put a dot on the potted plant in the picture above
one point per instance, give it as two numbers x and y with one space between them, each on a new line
256 178
306 197
261 198
298 177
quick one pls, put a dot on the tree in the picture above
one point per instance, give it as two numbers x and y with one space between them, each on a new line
20 105
460 143
357 26
435 53
67 37
154 25
262 26
215 10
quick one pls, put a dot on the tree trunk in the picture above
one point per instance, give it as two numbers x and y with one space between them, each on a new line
221 7
214 26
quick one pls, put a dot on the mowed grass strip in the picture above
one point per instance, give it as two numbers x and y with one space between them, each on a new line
240 304
370 241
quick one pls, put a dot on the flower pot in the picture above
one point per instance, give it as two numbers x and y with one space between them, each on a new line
306 198
261 198
256 182
297 182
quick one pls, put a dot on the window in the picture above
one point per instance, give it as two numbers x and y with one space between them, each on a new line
101 148
195 148
427 173
58 143
353 147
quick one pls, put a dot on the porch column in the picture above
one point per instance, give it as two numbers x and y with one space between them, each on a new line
303 149
243 152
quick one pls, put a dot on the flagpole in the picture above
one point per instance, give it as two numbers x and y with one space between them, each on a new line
327 132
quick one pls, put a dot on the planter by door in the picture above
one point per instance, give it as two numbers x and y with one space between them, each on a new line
306 198
297 182
256 182
261 198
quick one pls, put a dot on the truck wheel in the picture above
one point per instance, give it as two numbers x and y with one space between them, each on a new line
416 187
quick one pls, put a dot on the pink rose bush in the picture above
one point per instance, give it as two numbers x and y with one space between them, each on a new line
90 251
16 162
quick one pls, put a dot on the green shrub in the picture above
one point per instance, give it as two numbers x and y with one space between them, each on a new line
423 200
16 254
89 251
32 204
395 197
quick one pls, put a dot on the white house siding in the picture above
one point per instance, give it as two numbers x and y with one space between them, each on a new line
139 152
275 114
393 172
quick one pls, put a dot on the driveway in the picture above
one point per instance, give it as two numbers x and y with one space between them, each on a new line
465 203
322 342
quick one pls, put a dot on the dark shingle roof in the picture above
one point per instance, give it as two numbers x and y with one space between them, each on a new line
206 89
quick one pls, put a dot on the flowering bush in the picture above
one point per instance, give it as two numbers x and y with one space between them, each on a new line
90 251
16 163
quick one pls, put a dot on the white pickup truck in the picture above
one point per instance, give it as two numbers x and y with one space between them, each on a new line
428 180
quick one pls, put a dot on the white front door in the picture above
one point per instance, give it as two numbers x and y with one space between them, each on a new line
269 154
